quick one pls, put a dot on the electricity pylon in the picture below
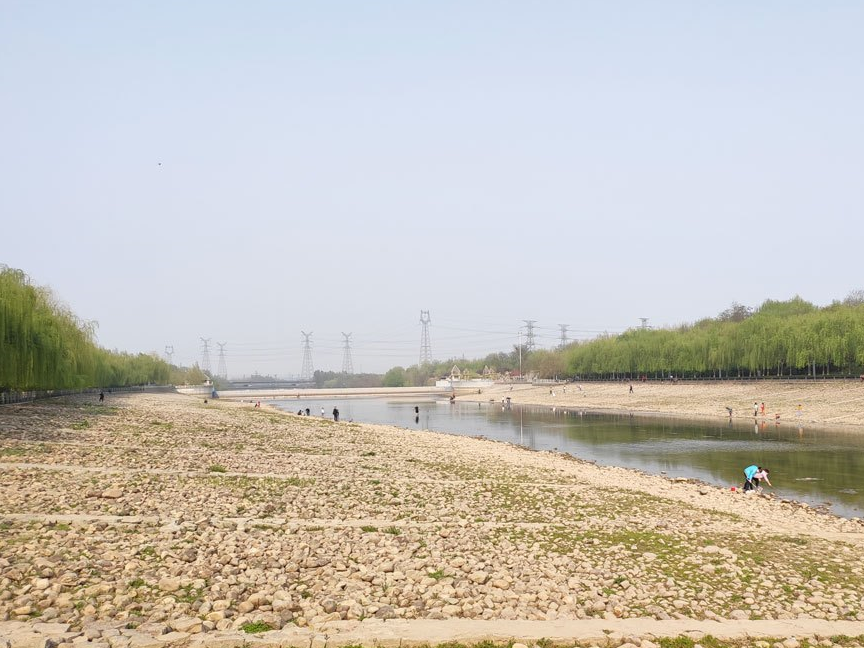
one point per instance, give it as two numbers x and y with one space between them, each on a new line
425 342
347 362
222 370
205 356
308 371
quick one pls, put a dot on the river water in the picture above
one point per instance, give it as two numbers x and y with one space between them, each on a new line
820 467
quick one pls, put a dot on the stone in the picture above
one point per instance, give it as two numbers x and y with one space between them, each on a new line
173 637
112 493
328 605
186 624
144 641
51 628
119 642
169 584
32 640
478 577
385 612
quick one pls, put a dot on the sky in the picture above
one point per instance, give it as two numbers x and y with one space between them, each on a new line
246 172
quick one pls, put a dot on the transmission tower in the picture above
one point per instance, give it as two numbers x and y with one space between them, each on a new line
205 355
529 334
169 353
222 370
347 363
308 371
563 328
644 323
425 343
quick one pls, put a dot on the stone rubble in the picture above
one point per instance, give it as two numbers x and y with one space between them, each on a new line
168 522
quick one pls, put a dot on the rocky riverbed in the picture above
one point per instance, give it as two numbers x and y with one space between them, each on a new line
159 518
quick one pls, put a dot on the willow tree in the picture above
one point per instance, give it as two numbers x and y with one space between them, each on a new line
44 346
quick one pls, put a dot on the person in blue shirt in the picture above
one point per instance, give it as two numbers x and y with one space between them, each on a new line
752 476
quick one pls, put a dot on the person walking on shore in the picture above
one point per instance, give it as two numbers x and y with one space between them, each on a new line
755 410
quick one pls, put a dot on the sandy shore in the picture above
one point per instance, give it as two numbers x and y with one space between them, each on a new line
158 520
830 403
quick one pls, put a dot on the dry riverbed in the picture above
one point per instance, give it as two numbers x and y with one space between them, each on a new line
156 519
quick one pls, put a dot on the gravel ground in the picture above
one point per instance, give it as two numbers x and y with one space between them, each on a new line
155 517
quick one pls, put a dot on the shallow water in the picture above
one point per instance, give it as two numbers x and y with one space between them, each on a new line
820 467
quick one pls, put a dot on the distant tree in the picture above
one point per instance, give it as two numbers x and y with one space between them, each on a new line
394 378
791 308
854 298
735 313
546 364
187 375
335 379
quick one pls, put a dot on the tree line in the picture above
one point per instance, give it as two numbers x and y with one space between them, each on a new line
779 339
44 346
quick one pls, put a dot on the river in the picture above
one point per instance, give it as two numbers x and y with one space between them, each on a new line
820 467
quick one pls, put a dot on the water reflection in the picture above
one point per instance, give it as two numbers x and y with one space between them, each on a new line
818 467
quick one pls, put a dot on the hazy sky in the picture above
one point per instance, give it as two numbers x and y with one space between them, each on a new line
247 171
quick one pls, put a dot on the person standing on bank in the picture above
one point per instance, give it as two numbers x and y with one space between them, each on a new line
335 413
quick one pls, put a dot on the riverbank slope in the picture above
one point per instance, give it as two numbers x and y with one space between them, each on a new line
156 519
